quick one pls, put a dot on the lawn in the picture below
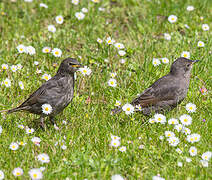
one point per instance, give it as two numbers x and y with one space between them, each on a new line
80 146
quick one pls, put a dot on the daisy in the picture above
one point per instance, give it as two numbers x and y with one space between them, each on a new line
155 62
44 158
42 168
4 66
172 18
138 107
43 5
128 109
190 8
0 129
121 53
116 176
75 2
193 138
14 146
115 137
165 60
84 10
112 82
109 40
191 107
7 82
17 171
35 174
159 118
30 50
101 9
157 178
180 164
13 68
151 121
21 48
186 131
118 103
36 140
206 156
173 121
63 147
122 149
122 61
46 108
185 119
46 50
79 15
21 143
169 134
1 175
113 75
21 84
59 19
188 160
205 27
185 54
186 26
56 52
178 127
204 163
19 66
36 63
167 36
46 77
193 151
21 126
119 45
115 143
30 130
85 70
200 44
99 40
173 141
179 150
51 28
196 137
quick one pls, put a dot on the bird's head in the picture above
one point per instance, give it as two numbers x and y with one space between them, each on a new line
182 66
69 65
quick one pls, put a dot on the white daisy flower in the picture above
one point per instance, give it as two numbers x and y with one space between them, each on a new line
179 150
44 158
96 1
167 36
46 50
161 138
188 160
118 103
38 71
113 75
17 171
206 156
63 147
116 176
59 19
101 9
28 0
75 2
43 5
186 26
13 68
36 63
84 10
7 82
186 131
191 107
0 129
159 118
21 143
35 174
19 66
99 40
185 119
200 44
178 127
205 27
36 140
165 60
138 107
122 61
115 143
46 77
173 141
172 18
169 134
173 121
46 108
21 48
122 149
115 137
156 62
112 82
193 138
56 52
4 66
119 45
180 164
30 130
190 8
21 126
185 54
51 28
204 163
193 151
30 50
1 175
42 169
14 146
109 40
128 109
85 70
151 120
121 53
157 178
79 15
21 84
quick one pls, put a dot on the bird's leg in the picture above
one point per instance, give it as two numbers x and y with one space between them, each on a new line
42 123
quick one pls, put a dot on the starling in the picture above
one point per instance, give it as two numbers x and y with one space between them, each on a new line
57 92
167 92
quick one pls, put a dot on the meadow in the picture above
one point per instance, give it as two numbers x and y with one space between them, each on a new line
130 43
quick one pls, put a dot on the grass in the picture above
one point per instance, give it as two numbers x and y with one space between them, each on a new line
139 25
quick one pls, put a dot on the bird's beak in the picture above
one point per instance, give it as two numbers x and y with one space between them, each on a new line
77 65
194 61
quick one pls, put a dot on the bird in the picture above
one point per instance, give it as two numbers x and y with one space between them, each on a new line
167 92
57 92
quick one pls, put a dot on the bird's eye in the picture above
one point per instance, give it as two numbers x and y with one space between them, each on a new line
188 65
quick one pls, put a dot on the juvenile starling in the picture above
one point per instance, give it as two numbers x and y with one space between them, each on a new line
57 92
167 92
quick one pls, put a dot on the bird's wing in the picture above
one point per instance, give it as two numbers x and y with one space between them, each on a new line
161 90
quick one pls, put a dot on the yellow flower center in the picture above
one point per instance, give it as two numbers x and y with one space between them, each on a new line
56 52
18 174
172 19
128 109
84 70
13 147
59 19
109 41
46 50
6 82
192 150
159 119
190 108
112 82
46 77
185 120
35 175
46 108
43 158
114 143
21 49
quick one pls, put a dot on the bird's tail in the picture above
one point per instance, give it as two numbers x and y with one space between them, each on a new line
12 110
116 110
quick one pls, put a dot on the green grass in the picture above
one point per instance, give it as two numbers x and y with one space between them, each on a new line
139 25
